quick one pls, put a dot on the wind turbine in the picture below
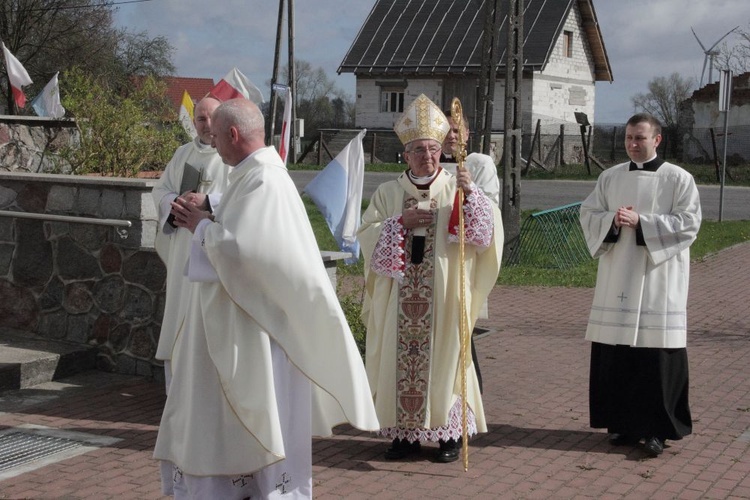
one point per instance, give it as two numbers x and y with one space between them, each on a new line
709 55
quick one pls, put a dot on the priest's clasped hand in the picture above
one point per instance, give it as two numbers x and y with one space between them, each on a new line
187 215
414 217
626 217
200 200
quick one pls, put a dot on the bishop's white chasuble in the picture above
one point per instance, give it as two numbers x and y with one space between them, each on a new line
412 316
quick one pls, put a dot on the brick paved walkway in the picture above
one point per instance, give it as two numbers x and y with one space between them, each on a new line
535 366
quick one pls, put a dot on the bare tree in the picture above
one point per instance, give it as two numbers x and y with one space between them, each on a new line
663 101
139 55
311 83
48 36
737 56
664 97
319 101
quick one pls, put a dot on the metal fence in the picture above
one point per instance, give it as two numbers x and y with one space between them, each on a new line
697 146
552 144
551 239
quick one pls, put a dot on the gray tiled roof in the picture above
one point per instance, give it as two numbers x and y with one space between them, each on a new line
440 37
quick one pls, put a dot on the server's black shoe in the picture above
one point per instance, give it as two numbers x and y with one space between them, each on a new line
653 446
622 439
449 451
401 448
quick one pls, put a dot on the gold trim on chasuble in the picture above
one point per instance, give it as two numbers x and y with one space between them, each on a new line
414 330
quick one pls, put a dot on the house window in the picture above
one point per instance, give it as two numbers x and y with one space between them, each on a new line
391 100
568 43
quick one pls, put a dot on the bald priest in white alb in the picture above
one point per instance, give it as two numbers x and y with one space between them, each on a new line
265 359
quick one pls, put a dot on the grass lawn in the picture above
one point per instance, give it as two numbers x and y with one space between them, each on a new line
737 175
712 237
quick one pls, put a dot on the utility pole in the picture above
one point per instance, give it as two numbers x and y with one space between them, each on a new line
725 104
294 144
488 76
512 159
294 139
271 119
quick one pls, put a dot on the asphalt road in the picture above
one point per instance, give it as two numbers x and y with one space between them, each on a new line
546 194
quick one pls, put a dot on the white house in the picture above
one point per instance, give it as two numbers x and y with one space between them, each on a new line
409 47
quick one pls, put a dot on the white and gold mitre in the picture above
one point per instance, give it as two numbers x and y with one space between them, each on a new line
422 120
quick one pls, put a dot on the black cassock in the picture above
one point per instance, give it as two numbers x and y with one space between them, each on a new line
639 391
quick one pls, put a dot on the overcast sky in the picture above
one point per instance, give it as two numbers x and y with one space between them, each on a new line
644 39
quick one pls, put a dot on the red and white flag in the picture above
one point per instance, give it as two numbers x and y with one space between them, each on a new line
17 76
235 85
286 125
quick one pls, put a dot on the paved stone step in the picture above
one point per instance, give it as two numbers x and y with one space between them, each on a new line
27 360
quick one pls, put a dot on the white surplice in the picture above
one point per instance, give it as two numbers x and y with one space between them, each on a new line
641 291
483 172
224 411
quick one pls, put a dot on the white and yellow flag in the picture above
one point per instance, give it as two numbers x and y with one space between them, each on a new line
186 115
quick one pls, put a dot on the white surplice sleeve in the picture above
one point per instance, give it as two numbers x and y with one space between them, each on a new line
199 267
668 234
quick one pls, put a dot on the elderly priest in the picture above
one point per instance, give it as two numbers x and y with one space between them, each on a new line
412 312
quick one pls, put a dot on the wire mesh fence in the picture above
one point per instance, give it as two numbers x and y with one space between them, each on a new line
551 239
697 145
552 147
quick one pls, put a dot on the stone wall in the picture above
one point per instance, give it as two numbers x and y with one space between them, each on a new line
78 282
84 283
29 143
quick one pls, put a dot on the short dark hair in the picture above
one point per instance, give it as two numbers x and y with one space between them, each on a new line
648 118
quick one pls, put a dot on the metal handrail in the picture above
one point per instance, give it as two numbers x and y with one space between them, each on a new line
119 225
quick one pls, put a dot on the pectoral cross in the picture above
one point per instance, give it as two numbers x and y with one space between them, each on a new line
203 181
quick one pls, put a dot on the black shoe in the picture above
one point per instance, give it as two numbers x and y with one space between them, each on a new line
654 446
449 451
616 439
401 448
